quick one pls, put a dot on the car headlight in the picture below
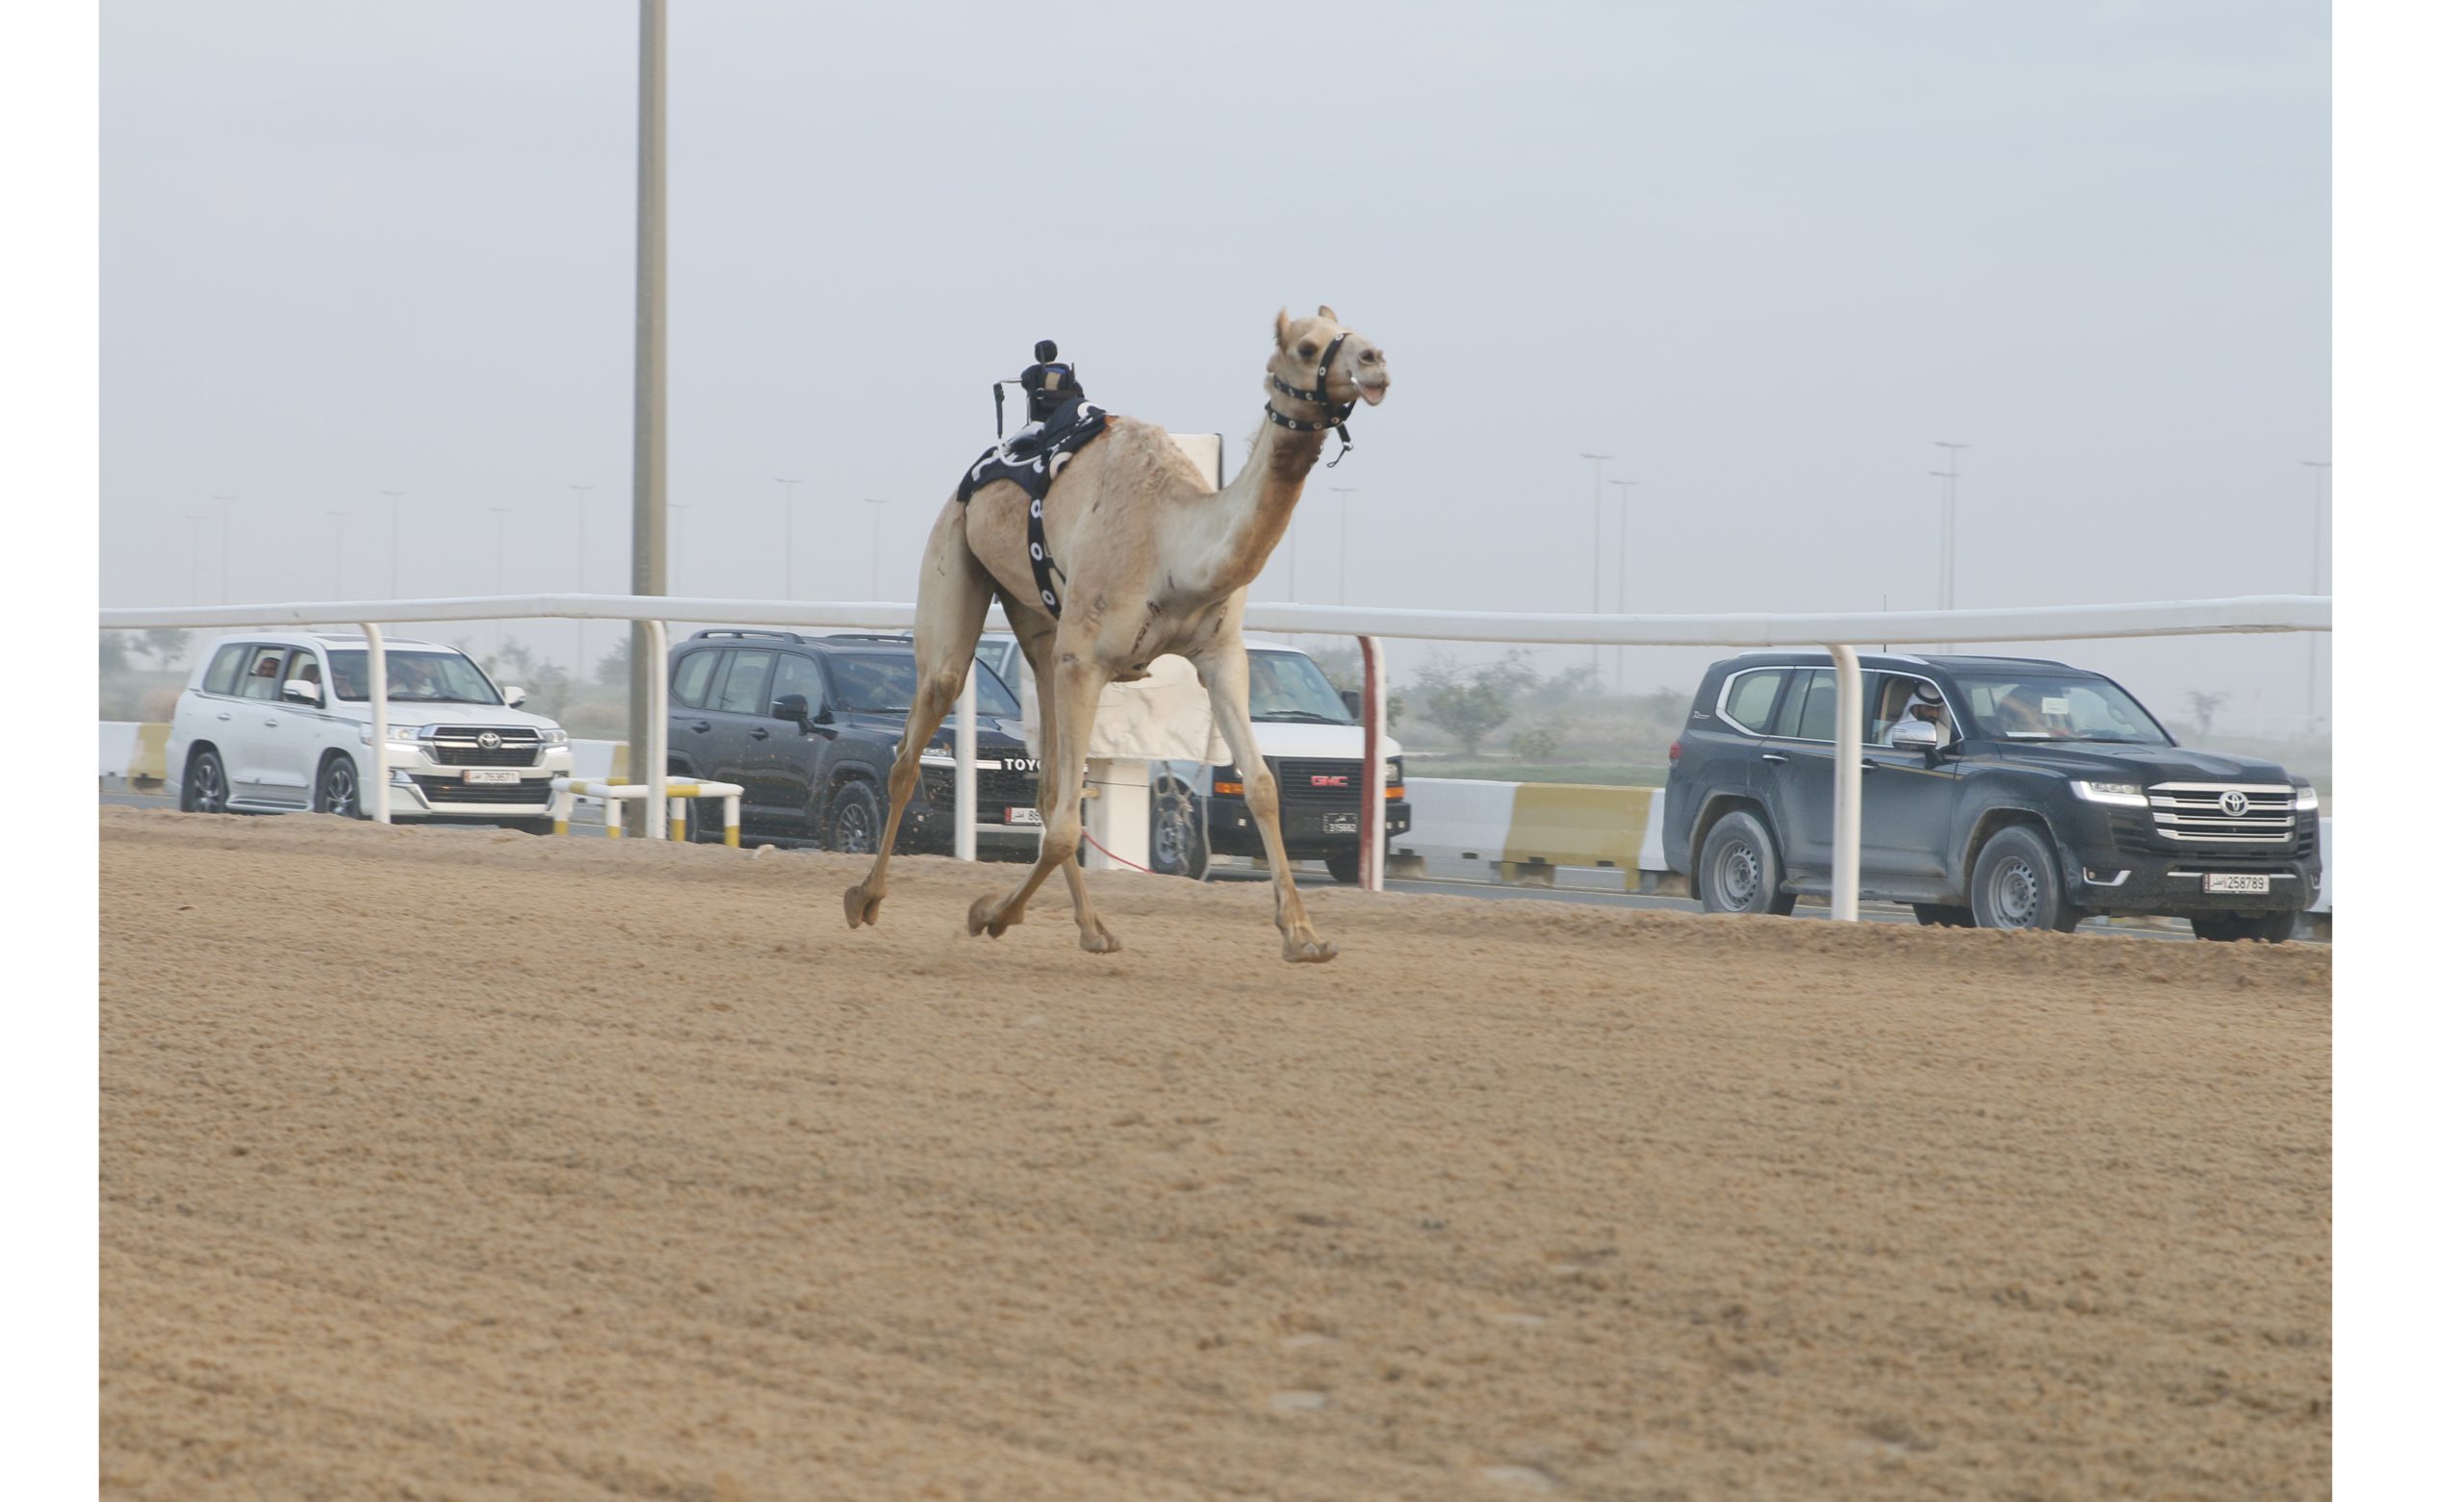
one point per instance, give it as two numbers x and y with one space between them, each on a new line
393 732
2128 794
552 736
2305 799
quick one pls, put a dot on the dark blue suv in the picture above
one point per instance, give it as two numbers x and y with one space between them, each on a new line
808 726
2045 794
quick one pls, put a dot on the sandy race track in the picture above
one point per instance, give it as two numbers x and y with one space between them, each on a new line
466 1164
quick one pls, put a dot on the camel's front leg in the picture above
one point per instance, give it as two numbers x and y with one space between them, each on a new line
1068 695
1224 669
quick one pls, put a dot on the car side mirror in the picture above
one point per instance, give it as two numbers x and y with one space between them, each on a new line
1351 701
514 694
1918 737
792 708
299 691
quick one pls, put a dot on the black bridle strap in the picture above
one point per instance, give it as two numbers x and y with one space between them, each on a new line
1336 418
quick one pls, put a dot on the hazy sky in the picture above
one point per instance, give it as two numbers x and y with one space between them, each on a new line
1765 254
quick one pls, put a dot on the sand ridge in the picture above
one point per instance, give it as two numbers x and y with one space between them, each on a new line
467 1164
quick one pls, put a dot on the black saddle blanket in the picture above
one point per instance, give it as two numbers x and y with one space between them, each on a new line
1031 459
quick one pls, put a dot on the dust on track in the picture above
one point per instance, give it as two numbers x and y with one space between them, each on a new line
471 1164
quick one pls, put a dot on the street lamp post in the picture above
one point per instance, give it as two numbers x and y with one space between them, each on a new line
228 501
338 550
1596 461
195 550
875 500
1624 518
394 557
790 552
2319 468
1343 542
1950 479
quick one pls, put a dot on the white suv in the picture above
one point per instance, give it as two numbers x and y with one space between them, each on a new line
272 723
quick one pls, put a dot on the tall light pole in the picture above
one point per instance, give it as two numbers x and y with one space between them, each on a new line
1343 542
581 567
394 557
338 550
1596 461
2317 583
1624 518
502 511
790 553
228 501
875 500
650 390
195 550
1950 479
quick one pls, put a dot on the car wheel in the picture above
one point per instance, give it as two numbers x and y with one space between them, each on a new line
854 822
338 787
1739 872
1345 867
205 790
2018 885
2263 928
1176 839
1939 915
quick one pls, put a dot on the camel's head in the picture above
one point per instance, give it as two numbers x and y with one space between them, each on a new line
1357 372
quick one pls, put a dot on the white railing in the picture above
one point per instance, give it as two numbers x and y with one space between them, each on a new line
1837 633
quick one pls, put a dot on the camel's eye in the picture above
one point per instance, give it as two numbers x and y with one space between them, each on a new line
1308 351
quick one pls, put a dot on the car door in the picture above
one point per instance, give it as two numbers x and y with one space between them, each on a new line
1800 755
689 729
1909 796
783 764
738 714
267 741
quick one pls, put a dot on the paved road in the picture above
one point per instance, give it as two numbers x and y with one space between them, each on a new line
1315 876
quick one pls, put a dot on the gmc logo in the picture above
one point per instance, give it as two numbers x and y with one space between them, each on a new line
1320 779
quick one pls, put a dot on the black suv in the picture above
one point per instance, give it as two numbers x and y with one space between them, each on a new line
2046 792
808 726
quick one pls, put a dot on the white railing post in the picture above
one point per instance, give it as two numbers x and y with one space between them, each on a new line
964 776
380 802
1372 765
654 775
1848 788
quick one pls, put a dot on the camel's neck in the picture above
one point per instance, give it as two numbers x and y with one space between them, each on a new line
1247 519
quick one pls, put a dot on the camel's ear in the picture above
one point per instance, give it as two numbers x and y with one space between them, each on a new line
1282 327
1329 313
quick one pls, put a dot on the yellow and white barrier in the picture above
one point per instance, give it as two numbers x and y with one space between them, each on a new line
679 789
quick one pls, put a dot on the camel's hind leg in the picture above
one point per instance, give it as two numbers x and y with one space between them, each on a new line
1224 669
1070 691
951 598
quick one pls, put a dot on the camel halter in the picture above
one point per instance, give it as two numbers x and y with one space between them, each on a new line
1336 417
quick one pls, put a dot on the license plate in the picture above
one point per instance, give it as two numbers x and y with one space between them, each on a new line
2236 882
1021 816
1342 823
489 774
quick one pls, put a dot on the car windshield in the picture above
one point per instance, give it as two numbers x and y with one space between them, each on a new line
885 683
1286 685
2060 707
428 677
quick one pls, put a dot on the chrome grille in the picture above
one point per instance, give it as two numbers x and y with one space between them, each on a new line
2195 813
459 746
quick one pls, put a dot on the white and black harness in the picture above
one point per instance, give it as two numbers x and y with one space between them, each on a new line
1336 417
1031 459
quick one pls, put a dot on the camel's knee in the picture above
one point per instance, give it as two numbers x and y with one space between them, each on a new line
1265 802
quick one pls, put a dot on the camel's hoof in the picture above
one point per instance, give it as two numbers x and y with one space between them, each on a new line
1309 952
984 916
861 908
1099 942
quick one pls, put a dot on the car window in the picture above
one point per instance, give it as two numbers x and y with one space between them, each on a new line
884 682
1753 699
1891 700
1814 714
263 679
223 677
2052 706
412 674
797 675
303 665
693 677
740 684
